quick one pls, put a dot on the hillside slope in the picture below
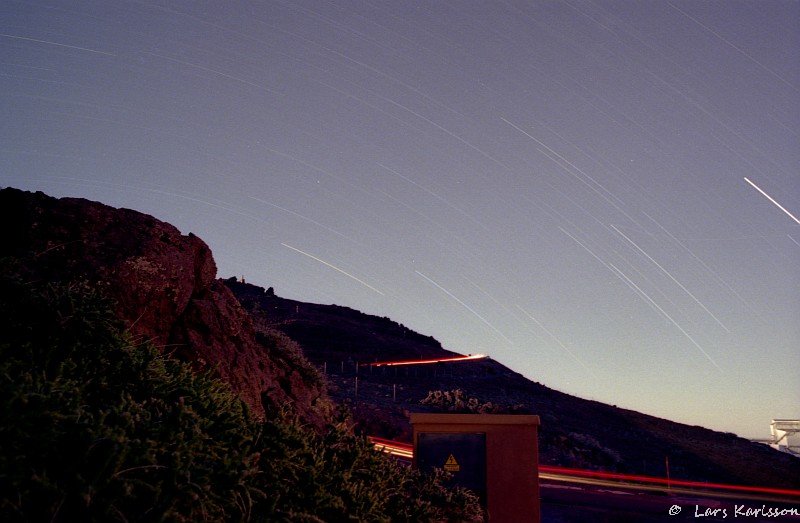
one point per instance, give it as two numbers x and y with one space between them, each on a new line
574 431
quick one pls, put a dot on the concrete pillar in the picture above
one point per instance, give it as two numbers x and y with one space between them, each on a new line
495 455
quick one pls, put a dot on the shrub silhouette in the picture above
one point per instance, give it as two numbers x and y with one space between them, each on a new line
456 401
97 428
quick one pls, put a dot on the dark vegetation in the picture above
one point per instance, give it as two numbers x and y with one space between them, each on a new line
95 427
457 402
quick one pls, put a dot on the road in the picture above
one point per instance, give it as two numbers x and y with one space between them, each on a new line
569 494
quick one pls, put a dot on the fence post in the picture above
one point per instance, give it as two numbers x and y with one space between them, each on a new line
666 460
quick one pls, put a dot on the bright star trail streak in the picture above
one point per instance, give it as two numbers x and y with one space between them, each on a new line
679 284
591 252
334 267
610 267
449 133
768 197
550 153
555 338
440 198
302 217
57 44
470 309
209 70
649 299
729 43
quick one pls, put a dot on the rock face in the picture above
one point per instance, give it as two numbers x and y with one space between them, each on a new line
165 287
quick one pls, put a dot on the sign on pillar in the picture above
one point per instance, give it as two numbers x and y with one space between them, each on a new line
494 455
463 455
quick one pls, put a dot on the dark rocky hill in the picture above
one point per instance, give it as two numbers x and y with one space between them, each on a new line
165 288
574 431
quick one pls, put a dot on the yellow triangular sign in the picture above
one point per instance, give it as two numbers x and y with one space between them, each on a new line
451 465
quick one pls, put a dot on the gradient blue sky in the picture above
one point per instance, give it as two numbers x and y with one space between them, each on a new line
560 185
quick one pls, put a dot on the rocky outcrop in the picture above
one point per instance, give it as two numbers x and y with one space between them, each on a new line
165 289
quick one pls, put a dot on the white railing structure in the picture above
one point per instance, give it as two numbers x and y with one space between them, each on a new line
786 435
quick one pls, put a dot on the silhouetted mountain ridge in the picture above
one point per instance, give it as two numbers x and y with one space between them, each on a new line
574 431
329 331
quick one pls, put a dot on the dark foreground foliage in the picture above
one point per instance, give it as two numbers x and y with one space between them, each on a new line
96 428
456 401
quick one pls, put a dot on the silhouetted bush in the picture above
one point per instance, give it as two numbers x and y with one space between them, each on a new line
456 401
95 428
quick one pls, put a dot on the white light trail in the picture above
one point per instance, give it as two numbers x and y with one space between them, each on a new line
470 309
605 264
665 271
334 268
450 133
212 71
495 300
662 311
587 249
768 197
440 198
15 37
362 101
746 55
306 218
711 271
560 160
394 79
555 338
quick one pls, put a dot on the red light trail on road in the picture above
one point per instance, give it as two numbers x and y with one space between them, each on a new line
406 450
564 471
395 448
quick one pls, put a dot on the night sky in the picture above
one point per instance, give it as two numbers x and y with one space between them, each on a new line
601 195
